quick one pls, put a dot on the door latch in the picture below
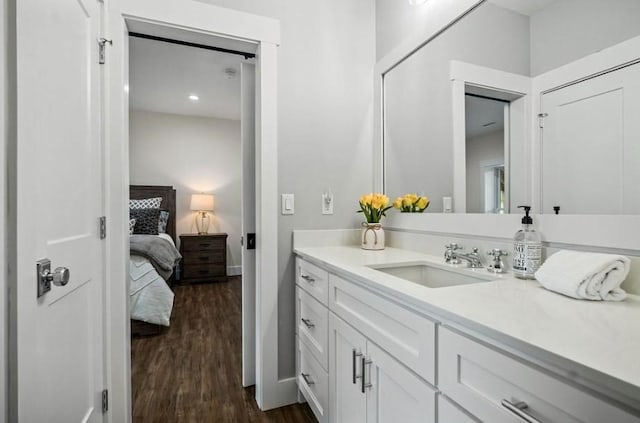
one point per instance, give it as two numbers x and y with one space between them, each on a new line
59 277
251 241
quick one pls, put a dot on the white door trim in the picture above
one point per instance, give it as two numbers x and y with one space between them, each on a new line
4 137
204 19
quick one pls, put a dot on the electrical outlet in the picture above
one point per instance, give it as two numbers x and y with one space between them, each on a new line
327 202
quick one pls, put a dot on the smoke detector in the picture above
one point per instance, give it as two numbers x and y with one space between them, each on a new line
230 73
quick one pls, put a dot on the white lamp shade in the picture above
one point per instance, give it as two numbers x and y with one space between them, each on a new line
201 202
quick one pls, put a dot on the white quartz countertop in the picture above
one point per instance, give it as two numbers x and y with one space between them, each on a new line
595 341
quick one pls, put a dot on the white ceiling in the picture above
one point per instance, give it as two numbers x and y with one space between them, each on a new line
525 7
480 112
163 75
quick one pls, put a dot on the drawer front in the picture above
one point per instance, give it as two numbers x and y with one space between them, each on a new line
204 244
448 412
481 379
313 382
204 257
312 279
196 271
408 336
313 323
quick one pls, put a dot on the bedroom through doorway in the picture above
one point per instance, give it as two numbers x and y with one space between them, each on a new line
191 139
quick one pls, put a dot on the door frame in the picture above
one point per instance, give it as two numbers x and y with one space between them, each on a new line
221 22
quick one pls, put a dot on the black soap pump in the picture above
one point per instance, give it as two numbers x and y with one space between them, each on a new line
527 248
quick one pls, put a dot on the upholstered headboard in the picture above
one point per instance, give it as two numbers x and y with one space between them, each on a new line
168 194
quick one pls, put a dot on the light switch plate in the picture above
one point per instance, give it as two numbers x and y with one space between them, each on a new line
327 203
288 204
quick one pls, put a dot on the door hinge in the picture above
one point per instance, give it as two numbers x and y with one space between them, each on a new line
105 400
102 42
541 117
103 227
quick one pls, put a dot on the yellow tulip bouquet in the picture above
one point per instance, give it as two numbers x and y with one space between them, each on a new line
411 203
374 206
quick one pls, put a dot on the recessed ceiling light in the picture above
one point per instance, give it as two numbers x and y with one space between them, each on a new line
193 97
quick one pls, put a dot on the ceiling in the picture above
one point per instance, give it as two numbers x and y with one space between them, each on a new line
525 7
163 75
480 112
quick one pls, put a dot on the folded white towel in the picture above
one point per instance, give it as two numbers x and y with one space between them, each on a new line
589 276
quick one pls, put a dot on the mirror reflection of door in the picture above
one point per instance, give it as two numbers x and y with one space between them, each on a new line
486 136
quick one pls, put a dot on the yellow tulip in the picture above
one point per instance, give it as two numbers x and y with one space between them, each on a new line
385 201
366 199
376 203
406 201
422 202
397 203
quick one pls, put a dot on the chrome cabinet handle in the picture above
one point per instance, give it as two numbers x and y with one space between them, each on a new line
307 323
308 278
354 355
364 385
517 409
307 379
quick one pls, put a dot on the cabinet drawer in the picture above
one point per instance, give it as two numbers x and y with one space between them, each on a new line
203 271
313 382
408 336
312 279
313 322
481 379
206 244
204 257
448 412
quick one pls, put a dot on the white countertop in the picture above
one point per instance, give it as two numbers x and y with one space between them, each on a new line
595 341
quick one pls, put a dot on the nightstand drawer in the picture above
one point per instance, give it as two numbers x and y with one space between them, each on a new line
204 271
204 257
206 244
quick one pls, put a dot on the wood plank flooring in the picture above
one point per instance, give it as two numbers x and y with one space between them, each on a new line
192 371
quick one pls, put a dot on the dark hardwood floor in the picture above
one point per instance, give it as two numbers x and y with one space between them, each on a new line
192 371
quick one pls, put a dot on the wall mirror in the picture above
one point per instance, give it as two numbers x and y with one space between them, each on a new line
520 102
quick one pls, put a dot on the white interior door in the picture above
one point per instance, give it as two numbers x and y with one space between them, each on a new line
590 147
248 135
59 336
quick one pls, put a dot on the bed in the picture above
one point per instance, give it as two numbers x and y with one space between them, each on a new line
150 294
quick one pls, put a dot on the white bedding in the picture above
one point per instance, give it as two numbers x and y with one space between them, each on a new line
150 298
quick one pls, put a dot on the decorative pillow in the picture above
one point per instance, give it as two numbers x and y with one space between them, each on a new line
145 203
163 220
132 224
146 221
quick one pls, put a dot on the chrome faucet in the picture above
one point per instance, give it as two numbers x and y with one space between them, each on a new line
496 266
451 256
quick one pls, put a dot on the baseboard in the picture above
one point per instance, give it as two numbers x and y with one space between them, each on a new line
234 270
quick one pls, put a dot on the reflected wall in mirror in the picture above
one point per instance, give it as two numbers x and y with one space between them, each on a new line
525 52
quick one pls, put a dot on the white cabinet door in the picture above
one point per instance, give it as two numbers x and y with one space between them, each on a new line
347 402
395 393
590 147
59 335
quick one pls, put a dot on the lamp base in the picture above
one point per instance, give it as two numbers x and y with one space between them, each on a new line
202 223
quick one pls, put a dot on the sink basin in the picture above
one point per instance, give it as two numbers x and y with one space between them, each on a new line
433 276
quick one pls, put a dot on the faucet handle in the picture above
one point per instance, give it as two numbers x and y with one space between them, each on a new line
497 253
453 246
474 250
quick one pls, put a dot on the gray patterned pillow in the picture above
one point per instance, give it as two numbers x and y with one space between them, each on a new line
132 224
146 221
163 220
145 203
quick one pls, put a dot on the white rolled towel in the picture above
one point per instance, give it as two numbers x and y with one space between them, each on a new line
589 276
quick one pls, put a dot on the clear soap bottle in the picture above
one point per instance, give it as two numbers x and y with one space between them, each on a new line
527 248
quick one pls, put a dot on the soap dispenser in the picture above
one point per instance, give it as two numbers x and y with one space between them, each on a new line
527 248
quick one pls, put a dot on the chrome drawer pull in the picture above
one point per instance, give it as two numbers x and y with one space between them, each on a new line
308 323
308 278
364 385
307 379
518 410
355 354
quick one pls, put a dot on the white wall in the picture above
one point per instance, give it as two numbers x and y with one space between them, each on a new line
325 97
481 150
194 154
558 37
3 201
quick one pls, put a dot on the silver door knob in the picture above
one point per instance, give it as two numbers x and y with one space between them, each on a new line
59 277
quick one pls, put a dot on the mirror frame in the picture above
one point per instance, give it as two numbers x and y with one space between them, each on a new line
619 233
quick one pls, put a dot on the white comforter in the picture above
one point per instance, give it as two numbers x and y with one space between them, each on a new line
150 298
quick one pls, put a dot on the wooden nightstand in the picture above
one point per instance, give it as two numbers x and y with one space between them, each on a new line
204 257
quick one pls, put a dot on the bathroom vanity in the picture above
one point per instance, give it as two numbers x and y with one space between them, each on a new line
399 336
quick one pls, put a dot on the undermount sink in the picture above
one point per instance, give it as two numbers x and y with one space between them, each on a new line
433 276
